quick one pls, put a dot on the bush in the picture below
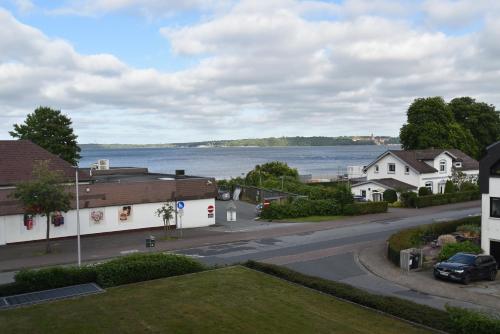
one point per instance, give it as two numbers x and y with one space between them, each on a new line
446 239
301 208
450 187
449 250
469 230
424 191
408 199
468 321
397 307
413 237
143 267
440 199
390 196
364 208
55 277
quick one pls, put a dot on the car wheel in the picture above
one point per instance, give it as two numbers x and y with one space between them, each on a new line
493 275
466 279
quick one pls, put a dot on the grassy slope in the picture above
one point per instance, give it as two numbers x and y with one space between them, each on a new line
230 300
312 219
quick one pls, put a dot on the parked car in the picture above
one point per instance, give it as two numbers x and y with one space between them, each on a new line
223 195
465 267
358 198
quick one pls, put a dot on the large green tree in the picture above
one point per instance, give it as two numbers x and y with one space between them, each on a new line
480 118
431 124
43 195
271 170
51 130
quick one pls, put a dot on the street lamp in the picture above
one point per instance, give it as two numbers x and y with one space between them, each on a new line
78 217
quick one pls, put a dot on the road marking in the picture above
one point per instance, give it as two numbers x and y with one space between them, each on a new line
129 251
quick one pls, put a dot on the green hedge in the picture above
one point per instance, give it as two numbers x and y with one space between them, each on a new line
412 237
405 309
123 270
144 267
306 208
467 322
364 208
449 250
440 199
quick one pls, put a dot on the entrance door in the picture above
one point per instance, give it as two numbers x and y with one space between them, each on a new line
495 250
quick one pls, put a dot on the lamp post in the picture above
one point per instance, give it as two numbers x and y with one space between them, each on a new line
78 218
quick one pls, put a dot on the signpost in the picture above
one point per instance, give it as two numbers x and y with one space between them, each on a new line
211 210
180 213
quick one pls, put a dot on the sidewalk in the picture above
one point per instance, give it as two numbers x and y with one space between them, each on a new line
482 293
94 248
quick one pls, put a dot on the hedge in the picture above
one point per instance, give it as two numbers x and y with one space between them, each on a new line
365 208
467 321
402 308
449 250
123 270
440 199
413 237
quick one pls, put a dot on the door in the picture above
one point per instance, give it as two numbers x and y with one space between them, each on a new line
495 250
377 197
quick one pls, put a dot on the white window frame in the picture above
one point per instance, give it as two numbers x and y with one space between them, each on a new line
407 170
376 169
458 164
429 185
443 165
389 171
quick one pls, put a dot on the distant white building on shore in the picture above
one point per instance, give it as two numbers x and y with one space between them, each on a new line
409 170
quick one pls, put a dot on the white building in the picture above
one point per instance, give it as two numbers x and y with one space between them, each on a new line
113 200
489 182
409 170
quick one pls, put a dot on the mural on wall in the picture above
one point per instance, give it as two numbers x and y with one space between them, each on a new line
97 216
125 214
57 218
29 221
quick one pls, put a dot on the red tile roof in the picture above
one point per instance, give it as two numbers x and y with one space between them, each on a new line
17 158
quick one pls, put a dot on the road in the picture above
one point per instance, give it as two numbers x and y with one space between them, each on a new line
331 253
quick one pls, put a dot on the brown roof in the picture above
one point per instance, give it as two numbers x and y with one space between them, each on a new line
412 159
468 163
111 194
17 158
390 183
416 158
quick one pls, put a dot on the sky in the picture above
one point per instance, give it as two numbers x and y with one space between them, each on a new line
162 71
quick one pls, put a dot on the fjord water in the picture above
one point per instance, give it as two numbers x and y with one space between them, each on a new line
226 162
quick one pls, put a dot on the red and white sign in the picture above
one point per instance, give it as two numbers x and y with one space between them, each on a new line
210 209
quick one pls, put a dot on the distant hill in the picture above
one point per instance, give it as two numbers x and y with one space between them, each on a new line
265 142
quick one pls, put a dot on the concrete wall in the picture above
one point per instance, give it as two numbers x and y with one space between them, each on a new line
490 227
13 230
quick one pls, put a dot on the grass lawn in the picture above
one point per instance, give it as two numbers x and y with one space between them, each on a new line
312 219
229 300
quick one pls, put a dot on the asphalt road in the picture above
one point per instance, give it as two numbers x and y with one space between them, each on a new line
331 253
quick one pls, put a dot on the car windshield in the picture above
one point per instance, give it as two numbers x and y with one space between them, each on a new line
461 258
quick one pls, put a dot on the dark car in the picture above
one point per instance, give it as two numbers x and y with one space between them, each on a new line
465 267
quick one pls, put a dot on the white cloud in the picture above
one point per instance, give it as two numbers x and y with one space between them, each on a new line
267 68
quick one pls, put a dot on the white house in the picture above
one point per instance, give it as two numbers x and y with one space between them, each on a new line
112 200
489 183
412 169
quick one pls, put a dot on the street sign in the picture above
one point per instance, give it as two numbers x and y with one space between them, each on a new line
180 212
180 205
210 209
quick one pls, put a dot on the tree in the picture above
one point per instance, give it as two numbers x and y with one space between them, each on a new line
270 170
481 119
43 195
343 195
390 195
166 213
51 130
431 124
450 187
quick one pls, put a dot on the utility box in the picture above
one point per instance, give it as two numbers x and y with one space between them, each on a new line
411 259
231 212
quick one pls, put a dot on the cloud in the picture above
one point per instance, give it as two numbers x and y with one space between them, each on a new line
267 68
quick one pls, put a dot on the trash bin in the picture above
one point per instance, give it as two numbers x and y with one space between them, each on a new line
414 260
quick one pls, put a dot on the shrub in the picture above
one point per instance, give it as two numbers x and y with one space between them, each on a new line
449 250
450 187
413 237
143 267
469 230
468 321
390 196
440 199
54 277
424 191
446 239
398 307
364 208
301 208
408 199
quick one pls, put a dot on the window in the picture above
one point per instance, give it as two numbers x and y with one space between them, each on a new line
376 168
495 207
442 166
458 164
407 170
391 168
428 185
363 193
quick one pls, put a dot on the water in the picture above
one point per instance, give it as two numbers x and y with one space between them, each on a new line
226 162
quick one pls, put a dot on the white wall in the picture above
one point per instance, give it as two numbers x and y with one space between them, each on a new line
143 216
2 231
369 188
490 227
411 178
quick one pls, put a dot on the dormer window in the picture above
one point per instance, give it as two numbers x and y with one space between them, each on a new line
376 169
458 164
391 168
407 170
442 166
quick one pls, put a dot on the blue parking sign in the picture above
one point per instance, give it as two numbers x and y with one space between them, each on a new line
180 205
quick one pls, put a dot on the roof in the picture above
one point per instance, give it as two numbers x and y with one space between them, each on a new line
487 163
128 193
18 158
389 183
416 159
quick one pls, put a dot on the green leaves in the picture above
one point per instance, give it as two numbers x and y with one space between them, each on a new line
51 130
